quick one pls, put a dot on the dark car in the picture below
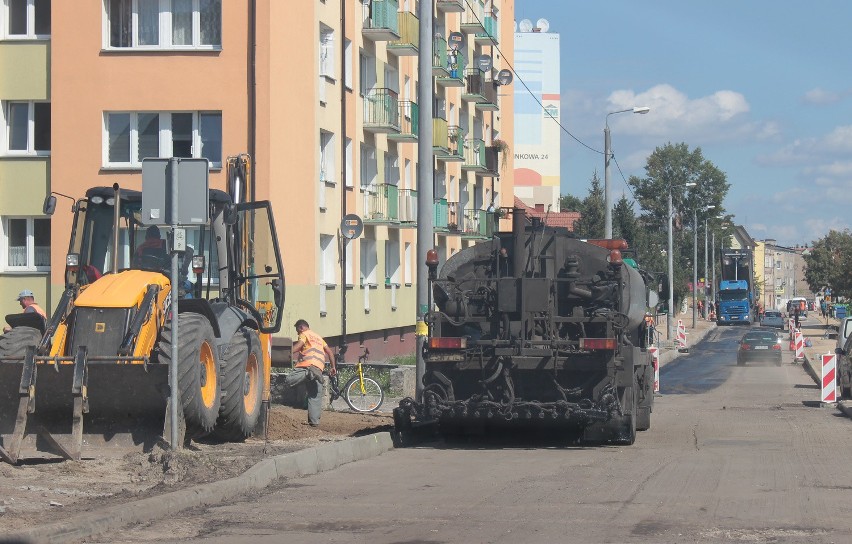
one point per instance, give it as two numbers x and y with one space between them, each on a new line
759 345
773 319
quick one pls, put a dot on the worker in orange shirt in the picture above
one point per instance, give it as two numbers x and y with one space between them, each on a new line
312 352
26 299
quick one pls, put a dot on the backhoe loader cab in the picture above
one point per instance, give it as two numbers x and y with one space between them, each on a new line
102 357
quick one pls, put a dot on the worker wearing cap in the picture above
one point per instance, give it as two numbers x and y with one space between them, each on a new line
26 299
647 330
313 352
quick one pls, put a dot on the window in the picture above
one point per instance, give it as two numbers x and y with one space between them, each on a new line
26 128
369 166
350 169
369 261
408 271
367 68
326 157
328 260
25 19
326 52
347 63
163 24
391 168
392 262
27 244
132 136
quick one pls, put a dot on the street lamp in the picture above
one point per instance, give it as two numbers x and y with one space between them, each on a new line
670 308
607 155
695 257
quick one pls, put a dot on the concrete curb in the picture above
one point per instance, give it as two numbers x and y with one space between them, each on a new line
291 465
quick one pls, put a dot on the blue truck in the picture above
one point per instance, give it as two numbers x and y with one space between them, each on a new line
735 299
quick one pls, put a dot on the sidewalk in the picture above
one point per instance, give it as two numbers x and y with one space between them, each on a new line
814 329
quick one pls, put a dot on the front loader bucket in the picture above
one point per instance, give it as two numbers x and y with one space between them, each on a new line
68 409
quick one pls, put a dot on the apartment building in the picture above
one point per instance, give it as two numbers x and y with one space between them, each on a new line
25 149
325 102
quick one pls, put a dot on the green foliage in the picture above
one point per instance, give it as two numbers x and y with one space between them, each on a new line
591 223
570 203
828 264
624 222
673 166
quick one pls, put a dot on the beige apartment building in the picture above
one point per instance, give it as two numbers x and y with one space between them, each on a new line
325 102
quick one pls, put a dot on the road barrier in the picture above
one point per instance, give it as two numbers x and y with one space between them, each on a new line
681 337
655 360
829 377
800 346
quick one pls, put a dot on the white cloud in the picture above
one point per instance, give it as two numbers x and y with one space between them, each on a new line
821 97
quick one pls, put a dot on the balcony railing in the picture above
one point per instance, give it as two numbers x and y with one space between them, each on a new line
440 68
479 158
473 85
473 19
477 223
439 137
455 144
409 122
380 20
381 203
407 207
488 96
450 6
453 216
492 30
409 35
456 64
381 111
441 214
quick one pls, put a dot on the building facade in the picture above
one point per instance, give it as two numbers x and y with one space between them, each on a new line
784 275
537 115
326 104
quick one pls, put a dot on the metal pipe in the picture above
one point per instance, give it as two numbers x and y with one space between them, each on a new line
670 308
342 245
116 217
694 264
174 390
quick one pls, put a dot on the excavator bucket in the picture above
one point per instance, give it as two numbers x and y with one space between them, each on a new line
61 409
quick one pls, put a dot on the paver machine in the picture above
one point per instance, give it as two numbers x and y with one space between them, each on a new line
535 329
95 373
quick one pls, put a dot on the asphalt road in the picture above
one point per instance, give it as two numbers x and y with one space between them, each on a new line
734 454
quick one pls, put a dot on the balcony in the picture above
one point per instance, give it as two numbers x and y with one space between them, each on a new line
488 97
454 142
381 111
409 32
407 208
440 146
450 6
453 216
409 122
456 64
477 223
440 68
381 204
380 20
473 20
474 81
479 158
492 31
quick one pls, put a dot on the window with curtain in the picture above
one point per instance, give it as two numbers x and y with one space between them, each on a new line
26 19
132 136
25 127
27 242
163 24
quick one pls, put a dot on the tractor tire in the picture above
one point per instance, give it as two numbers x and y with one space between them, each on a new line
242 386
198 372
14 343
643 419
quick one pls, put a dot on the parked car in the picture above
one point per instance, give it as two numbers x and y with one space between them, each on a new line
759 345
844 363
774 319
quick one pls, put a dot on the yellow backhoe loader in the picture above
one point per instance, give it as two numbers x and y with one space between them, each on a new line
95 373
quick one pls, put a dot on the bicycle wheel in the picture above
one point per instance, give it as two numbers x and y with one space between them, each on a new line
366 399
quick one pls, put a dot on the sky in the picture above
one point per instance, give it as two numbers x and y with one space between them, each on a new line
762 87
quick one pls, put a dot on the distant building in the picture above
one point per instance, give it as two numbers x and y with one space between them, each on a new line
550 218
537 104
784 273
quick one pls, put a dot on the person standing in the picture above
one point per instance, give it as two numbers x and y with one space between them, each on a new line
26 299
312 352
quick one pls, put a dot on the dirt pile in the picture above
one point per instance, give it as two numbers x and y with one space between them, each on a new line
50 489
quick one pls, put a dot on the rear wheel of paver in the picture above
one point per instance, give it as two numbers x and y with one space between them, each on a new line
242 386
198 372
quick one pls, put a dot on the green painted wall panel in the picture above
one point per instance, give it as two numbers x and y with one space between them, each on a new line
15 174
25 70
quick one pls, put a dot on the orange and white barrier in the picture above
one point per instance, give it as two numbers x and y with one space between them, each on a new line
655 360
829 378
800 346
681 337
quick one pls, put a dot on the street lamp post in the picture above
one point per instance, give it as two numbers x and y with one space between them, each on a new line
607 156
695 259
670 309
706 307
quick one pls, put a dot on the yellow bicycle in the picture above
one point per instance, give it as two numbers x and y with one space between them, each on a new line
362 393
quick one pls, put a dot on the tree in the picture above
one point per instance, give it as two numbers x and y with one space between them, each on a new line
671 167
828 263
570 203
624 223
591 223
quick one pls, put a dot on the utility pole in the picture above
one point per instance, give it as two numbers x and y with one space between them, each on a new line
425 188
